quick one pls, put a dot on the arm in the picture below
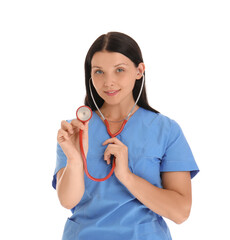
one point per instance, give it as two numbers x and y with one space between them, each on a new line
70 183
173 201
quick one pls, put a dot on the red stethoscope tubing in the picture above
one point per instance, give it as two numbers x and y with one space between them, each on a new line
84 158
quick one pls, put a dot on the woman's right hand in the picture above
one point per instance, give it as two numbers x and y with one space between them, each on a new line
69 136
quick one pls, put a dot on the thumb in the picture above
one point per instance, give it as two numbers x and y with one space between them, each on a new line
85 138
85 130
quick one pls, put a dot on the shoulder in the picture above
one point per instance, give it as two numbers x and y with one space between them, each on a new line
158 119
163 127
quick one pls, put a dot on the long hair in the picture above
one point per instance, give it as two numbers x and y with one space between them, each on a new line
121 43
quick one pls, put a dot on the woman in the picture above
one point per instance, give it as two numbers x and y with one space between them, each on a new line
153 161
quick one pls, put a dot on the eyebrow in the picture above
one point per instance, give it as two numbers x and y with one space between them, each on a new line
114 65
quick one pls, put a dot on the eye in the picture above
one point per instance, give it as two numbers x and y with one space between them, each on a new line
120 70
98 72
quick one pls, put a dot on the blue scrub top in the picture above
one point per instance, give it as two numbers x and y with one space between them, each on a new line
107 209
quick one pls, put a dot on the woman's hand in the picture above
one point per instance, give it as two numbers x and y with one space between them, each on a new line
68 138
120 151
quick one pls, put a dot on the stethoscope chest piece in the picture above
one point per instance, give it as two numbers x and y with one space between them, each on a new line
84 113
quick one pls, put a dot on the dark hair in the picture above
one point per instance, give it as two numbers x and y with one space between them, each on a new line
121 43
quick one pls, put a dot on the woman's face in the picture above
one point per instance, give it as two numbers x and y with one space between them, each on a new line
113 71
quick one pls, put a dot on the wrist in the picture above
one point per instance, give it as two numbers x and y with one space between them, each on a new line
76 160
74 164
126 178
73 155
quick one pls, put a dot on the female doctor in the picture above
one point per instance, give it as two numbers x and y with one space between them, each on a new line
153 161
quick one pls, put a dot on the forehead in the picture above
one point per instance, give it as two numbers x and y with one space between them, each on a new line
109 59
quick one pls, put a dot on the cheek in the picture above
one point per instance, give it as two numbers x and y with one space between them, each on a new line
97 83
129 85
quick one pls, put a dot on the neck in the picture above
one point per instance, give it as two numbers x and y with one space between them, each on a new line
117 112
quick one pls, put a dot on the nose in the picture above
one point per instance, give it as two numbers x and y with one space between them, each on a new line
108 81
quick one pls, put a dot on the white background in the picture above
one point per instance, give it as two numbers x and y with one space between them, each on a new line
43 44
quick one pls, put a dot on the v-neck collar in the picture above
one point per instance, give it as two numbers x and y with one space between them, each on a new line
131 119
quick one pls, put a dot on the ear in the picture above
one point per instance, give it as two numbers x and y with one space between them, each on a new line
140 70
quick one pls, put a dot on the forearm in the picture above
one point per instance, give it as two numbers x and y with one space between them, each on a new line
71 186
166 203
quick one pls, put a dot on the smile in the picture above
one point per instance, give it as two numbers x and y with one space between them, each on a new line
112 93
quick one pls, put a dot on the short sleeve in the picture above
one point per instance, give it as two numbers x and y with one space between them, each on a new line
61 161
178 155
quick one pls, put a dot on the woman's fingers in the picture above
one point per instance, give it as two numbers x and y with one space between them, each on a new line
78 124
67 126
62 135
107 158
70 127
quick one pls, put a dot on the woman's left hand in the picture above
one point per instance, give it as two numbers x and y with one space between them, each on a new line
120 151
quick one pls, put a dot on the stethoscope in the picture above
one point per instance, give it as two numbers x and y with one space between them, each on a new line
84 114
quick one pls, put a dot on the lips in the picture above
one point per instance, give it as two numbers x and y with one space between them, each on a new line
112 92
